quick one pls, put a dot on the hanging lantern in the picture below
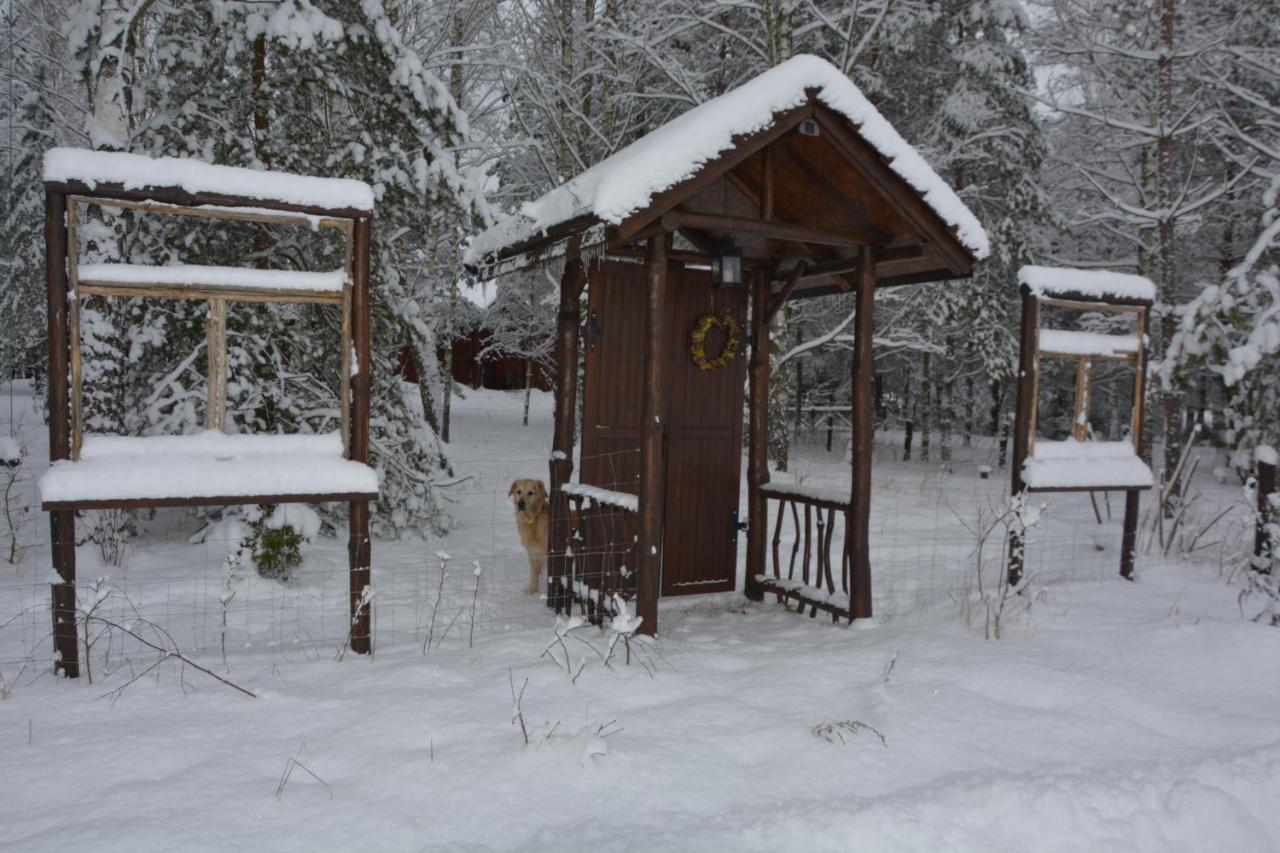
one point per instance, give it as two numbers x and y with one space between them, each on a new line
726 266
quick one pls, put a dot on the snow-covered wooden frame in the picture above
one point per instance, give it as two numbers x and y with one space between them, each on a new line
1065 466
110 179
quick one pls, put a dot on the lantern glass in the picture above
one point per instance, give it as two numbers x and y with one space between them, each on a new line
726 266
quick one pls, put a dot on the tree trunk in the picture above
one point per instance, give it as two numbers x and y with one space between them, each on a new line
926 407
969 425
1165 229
779 396
528 389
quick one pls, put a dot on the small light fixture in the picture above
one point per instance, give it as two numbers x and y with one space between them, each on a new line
726 266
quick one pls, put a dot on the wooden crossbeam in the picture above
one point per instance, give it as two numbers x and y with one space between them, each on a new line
720 223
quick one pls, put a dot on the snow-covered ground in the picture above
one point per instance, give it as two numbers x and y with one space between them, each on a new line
1110 716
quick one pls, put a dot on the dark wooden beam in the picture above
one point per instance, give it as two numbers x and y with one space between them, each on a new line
1129 538
572 282
858 520
359 551
758 436
62 523
1025 401
771 230
652 437
797 273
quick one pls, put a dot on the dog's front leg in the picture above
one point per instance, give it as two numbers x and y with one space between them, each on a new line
535 574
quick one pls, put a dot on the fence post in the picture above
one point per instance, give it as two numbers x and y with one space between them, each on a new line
1263 547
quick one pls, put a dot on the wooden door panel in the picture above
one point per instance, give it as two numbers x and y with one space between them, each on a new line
704 442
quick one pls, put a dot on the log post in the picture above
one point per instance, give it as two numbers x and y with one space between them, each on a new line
1025 401
858 520
758 436
1129 538
652 436
216 350
62 523
358 546
572 281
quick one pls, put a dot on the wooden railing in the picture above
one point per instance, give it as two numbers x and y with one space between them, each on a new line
599 562
813 579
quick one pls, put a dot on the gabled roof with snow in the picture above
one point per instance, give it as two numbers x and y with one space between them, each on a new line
139 172
629 180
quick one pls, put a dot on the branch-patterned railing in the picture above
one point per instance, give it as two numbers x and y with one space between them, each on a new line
813 579
600 560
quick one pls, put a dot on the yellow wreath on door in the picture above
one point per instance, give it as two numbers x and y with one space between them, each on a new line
698 340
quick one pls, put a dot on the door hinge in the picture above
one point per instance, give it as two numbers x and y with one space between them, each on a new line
590 331
735 526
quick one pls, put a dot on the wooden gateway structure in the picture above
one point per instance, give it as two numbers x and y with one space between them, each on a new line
210 468
790 186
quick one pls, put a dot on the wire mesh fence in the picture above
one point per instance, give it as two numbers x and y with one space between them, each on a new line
935 539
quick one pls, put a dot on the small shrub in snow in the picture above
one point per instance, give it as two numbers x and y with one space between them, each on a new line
276 537
111 530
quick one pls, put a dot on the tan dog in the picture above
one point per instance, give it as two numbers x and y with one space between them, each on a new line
533 523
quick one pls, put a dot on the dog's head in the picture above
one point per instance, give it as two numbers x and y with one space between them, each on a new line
528 496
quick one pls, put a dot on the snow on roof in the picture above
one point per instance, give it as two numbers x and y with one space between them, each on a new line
629 179
1100 284
137 171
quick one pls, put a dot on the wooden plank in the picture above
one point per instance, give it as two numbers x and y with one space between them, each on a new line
215 500
179 196
780 494
652 433
1073 356
1085 302
216 349
758 437
769 585
62 524
722 224
73 332
572 281
358 544
89 287
213 212
858 524
1070 489
1080 412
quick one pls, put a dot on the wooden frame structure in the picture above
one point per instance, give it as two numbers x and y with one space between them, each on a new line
1084 348
217 286
817 210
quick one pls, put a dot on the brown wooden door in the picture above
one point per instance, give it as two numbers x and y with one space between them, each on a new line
704 422
704 443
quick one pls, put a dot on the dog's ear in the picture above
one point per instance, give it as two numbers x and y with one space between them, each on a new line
542 489
511 491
